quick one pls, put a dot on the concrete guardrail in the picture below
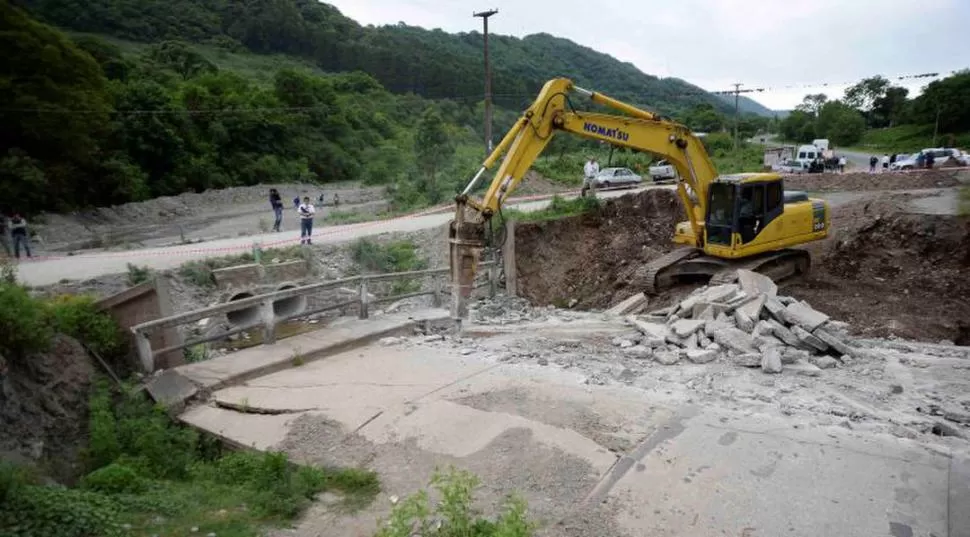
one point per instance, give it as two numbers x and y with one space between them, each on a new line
246 311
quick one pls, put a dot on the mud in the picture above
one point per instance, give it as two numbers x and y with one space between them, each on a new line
883 270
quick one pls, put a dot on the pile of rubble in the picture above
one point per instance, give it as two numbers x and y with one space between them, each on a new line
504 309
747 323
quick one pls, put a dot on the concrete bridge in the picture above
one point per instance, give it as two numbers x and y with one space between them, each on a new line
403 393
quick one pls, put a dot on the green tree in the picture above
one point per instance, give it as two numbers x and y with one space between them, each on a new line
55 107
704 118
812 103
798 126
433 148
840 123
887 109
863 96
181 58
947 99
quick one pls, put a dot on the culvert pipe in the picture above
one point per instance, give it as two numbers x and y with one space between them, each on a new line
245 316
293 305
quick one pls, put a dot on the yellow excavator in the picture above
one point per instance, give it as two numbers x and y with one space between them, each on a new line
733 221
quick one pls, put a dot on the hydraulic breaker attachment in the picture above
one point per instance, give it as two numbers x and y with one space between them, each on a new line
467 240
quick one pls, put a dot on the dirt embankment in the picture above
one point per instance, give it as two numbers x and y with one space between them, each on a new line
888 272
884 271
44 408
589 258
832 182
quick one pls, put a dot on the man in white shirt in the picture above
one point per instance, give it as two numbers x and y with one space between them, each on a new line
589 172
306 210
842 163
885 163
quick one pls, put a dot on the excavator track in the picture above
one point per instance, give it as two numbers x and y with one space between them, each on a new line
691 264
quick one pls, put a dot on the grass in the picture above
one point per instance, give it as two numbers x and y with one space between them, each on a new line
354 217
558 208
395 256
149 476
200 271
964 201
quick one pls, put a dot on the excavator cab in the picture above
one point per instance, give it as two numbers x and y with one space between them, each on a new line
739 210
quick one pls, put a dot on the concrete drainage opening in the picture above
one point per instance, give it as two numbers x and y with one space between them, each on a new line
285 307
245 316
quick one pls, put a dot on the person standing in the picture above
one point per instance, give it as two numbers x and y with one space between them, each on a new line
920 160
336 200
306 210
589 174
18 232
842 163
296 202
930 159
885 162
873 160
276 202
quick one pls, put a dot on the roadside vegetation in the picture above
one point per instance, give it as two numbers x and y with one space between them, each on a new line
965 201
454 515
200 272
143 474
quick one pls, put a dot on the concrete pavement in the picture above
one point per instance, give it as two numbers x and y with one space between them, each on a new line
591 460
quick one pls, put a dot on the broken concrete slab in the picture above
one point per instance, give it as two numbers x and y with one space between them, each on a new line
628 305
803 368
702 356
754 283
797 313
734 339
833 341
171 388
776 309
666 357
808 339
686 327
823 362
771 360
639 352
743 321
650 330
783 333
753 308
764 341
748 359
790 355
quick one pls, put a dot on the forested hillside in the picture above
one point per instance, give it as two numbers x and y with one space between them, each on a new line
430 63
144 99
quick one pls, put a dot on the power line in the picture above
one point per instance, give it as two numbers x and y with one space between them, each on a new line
470 97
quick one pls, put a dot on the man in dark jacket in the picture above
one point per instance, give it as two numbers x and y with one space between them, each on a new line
277 203
18 232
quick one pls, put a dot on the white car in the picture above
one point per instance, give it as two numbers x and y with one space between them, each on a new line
608 177
662 171
940 156
789 166
904 162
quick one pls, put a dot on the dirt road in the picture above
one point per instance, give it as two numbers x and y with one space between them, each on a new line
46 271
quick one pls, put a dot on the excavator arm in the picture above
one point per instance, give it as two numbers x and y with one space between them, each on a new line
552 113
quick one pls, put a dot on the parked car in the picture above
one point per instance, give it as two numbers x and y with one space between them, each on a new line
662 171
941 155
608 177
789 166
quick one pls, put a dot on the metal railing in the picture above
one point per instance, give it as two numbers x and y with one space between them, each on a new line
268 319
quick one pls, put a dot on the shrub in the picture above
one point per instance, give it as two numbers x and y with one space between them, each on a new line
396 256
38 511
453 515
79 317
23 323
137 275
114 478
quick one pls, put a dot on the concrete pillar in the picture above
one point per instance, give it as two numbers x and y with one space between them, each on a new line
508 259
436 291
268 317
145 357
363 298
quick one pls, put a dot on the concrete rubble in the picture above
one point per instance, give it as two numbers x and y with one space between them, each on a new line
746 323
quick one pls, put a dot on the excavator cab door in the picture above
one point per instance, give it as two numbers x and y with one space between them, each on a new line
720 224
759 204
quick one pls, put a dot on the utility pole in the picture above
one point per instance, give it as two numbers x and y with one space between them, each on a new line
737 116
488 82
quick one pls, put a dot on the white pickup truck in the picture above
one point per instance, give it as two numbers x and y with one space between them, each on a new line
662 171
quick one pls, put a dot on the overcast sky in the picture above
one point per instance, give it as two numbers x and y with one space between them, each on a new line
715 43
